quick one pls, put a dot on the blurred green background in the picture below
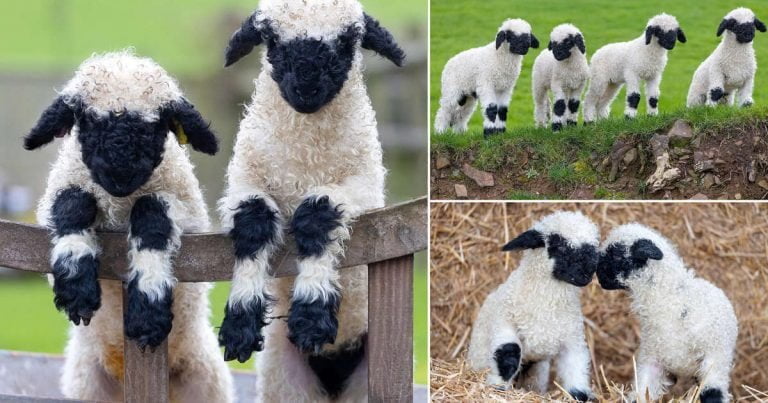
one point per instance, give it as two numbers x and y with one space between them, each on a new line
43 42
457 25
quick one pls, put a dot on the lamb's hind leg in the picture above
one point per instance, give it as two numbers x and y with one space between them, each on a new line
714 375
573 369
506 357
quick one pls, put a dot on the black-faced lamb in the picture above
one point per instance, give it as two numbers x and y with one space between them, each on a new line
687 325
121 167
307 157
631 63
535 316
729 72
486 74
561 69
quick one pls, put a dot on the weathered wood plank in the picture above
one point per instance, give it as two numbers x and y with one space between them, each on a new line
146 372
378 235
390 330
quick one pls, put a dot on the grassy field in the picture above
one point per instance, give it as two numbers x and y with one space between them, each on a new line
457 25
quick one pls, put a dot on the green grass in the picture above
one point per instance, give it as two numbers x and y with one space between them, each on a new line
185 36
33 324
458 25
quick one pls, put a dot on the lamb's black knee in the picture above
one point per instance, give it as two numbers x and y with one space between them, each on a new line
653 102
503 110
255 225
76 287
507 360
710 395
312 224
73 211
573 105
334 369
311 324
150 225
241 331
579 395
559 108
633 100
491 111
463 100
716 94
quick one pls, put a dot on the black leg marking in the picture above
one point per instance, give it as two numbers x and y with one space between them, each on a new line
716 94
240 332
150 225
334 369
556 127
312 224
571 123
559 107
507 360
746 104
78 294
147 322
73 211
313 324
503 113
573 105
653 102
255 226
491 111
712 396
579 395
633 100
463 100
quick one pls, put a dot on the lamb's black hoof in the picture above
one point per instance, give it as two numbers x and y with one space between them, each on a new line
240 332
313 324
746 104
588 123
78 295
580 395
147 322
556 127
710 395
572 123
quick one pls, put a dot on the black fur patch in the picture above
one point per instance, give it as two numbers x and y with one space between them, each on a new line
746 104
312 224
379 40
745 32
716 94
518 44
579 395
666 39
73 211
148 323
571 123
562 50
56 121
463 100
244 40
559 107
710 395
633 100
491 111
617 263
530 239
240 332
489 131
255 226
78 294
573 105
507 360
313 324
197 130
334 368
150 225
503 110
653 102
574 265
557 126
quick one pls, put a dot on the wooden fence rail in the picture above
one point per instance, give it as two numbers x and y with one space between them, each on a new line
385 239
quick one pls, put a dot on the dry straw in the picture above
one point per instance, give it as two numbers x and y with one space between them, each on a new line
726 244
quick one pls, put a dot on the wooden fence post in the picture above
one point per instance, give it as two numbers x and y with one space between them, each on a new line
390 330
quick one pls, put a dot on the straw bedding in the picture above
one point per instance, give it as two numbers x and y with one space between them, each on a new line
725 243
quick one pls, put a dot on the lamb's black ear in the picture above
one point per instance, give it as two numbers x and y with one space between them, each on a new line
188 125
725 24
579 40
681 36
500 38
549 45
644 249
534 41
243 41
649 31
530 239
381 41
759 25
56 121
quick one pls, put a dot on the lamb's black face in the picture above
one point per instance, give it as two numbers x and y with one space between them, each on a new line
745 32
562 49
617 263
666 39
573 265
519 44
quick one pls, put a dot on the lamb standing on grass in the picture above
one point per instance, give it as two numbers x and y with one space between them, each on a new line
730 70
487 74
563 71
308 157
687 325
642 59
118 169
535 316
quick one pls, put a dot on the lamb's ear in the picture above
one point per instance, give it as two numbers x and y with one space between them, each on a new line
534 41
243 41
500 38
681 36
379 40
649 31
56 121
644 249
188 125
579 40
549 45
530 239
759 25
725 24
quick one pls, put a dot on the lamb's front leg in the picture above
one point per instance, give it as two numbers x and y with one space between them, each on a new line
716 87
494 108
560 109
745 93
256 228
652 93
74 257
633 97
573 369
574 101
153 239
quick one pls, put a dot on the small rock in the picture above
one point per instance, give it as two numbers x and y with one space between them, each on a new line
737 196
704 166
604 165
708 181
699 196
461 191
738 143
763 184
720 162
630 156
482 178
681 134
752 174
442 162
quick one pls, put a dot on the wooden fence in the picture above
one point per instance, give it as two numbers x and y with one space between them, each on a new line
385 239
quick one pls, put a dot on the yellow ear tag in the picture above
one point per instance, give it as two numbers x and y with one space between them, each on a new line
180 135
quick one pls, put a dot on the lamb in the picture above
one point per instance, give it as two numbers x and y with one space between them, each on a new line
562 71
642 59
730 70
307 157
535 316
486 74
687 325
118 169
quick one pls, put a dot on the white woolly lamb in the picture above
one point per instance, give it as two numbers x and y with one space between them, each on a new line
487 74
307 156
563 70
118 169
642 59
687 325
535 316
730 70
